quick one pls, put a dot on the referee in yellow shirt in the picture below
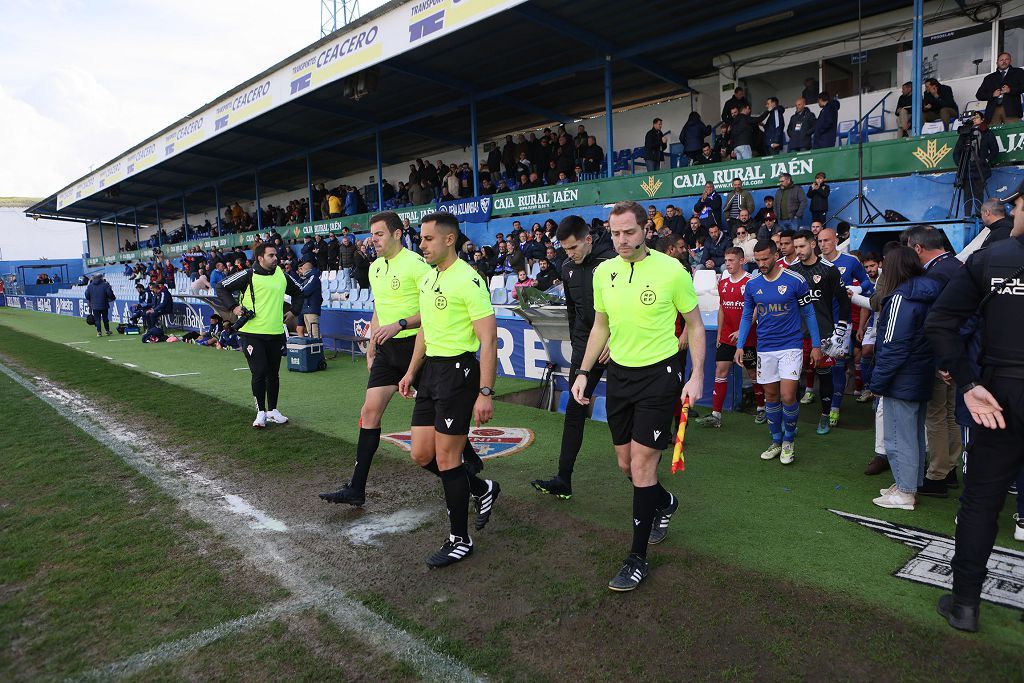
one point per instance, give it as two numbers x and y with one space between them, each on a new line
456 321
636 298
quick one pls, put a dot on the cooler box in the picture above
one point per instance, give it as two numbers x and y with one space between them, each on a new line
306 354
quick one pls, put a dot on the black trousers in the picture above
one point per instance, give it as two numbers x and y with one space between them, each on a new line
263 353
102 316
974 195
575 418
991 464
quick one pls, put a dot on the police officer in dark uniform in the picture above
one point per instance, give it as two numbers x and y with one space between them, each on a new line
992 284
585 251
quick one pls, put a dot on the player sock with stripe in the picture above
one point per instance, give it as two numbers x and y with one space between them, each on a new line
774 411
456 497
432 467
718 395
759 395
790 414
369 441
839 385
827 388
645 506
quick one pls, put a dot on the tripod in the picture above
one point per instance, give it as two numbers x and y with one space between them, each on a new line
969 161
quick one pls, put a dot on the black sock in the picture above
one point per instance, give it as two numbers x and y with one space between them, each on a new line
432 467
826 386
369 440
645 504
477 486
664 497
456 497
469 453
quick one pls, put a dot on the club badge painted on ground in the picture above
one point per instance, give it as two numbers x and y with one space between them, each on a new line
489 442
1004 584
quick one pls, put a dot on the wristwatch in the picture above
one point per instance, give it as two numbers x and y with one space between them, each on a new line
583 373
967 387
486 391
403 323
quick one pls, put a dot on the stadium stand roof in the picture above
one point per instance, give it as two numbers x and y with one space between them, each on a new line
529 64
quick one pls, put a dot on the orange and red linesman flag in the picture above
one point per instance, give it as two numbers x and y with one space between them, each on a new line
678 461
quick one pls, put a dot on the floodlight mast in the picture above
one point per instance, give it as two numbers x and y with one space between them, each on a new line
335 14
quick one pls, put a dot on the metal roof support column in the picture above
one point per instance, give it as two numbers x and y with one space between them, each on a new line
117 234
135 213
184 214
309 188
259 211
918 54
216 200
473 141
380 172
609 153
159 225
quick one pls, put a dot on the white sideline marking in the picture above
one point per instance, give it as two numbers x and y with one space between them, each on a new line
365 531
129 365
107 358
180 374
245 368
260 519
205 500
168 652
91 353
75 343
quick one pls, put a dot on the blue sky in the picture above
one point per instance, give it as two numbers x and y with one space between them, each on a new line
81 82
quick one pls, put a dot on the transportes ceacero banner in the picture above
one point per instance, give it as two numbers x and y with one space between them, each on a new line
369 42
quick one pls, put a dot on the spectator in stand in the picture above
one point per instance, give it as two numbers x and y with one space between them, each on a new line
319 252
1002 90
592 156
714 249
801 127
509 157
738 99
692 137
581 138
745 240
351 201
237 213
524 167
163 304
547 276
693 230
769 208
346 251
939 103
737 201
742 131
673 220
743 221
420 193
168 272
791 203
201 283
501 264
551 173
655 218
723 143
810 91
774 126
218 273
904 372
709 207
333 252
905 109
536 249
402 194
522 282
494 161
429 174
655 143
818 194
707 155
826 126
414 172
361 260
517 253
335 209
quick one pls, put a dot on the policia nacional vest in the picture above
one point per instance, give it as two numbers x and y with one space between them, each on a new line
265 298
1003 308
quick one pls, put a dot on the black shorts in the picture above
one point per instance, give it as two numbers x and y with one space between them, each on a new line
727 352
446 392
391 362
642 401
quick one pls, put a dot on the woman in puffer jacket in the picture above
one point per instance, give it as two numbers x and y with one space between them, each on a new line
904 372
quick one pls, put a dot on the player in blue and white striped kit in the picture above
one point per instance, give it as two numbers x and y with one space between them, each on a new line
780 297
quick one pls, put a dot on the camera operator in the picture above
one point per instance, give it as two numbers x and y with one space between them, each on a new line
261 291
975 151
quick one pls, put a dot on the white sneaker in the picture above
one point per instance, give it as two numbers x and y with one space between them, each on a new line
787 453
896 500
882 492
261 420
772 451
276 416
1018 532
807 398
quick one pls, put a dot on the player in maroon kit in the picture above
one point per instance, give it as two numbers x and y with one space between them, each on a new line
730 310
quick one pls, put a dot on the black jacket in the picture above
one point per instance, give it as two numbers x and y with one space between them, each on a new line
579 293
988 148
240 281
819 197
1011 101
742 130
999 230
800 129
945 100
653 145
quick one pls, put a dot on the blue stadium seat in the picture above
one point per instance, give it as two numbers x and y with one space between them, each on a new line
563 401
600 409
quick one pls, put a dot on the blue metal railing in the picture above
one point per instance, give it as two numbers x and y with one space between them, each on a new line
859 125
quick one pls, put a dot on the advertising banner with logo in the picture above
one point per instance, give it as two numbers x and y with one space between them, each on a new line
472 210
402 29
